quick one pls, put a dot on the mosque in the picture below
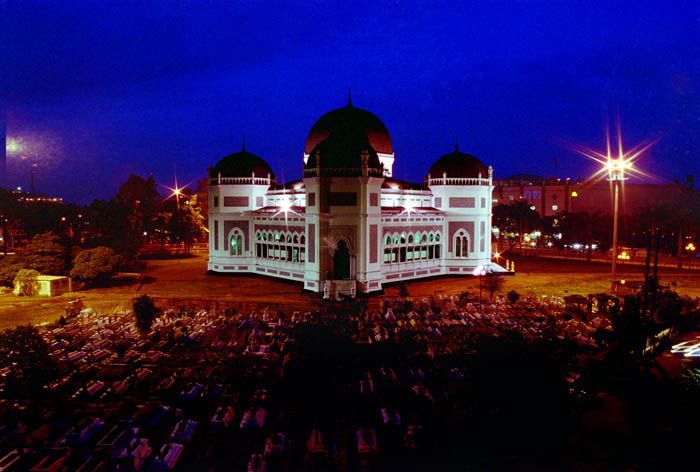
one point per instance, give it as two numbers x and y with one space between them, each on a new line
347 226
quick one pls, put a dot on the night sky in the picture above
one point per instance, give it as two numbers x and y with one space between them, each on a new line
96 90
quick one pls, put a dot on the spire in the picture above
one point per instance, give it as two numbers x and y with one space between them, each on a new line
457 144
243 144
350 96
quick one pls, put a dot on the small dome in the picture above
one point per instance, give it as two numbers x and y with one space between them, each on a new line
458 165
351 121
242 164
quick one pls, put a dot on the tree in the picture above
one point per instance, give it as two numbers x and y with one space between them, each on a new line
201 203
26 354
26 282
96 265
493 284
585 228
45 254
145 311
513 296
187 222
9 209
515 218
137 200
110 227
9 267
141 198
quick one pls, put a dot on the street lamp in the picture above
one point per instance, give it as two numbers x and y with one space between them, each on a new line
479 272
623 256
690 248
616 168
616 175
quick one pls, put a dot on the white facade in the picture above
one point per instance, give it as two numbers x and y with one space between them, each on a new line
351 229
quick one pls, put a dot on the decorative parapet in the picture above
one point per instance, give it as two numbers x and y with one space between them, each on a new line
458 181
242 180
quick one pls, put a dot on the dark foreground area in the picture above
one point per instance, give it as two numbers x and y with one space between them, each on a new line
423 385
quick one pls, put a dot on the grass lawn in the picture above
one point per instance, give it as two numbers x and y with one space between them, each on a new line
544 276
185 281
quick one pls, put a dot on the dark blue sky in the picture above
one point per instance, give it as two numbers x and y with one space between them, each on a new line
95 90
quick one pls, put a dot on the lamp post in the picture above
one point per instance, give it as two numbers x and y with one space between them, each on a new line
623 256
615 168
176 193
616 175
479 272
691 249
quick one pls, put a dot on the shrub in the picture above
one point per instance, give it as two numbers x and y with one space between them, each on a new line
95 265
493 284
145 311
26 282
9 267
513 296
26 354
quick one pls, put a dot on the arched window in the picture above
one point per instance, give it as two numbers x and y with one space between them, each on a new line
236 243
412 246
461 244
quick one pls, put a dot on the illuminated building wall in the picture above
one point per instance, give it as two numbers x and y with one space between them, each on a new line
347 222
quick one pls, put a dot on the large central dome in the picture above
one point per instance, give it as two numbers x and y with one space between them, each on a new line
350 121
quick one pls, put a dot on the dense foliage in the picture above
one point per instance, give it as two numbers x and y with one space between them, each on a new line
96 265
145 311
26 355
44 254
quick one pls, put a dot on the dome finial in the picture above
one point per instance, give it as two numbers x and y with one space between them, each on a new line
350 96
243 150
457 144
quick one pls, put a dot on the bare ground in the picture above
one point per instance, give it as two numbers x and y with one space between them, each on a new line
180 282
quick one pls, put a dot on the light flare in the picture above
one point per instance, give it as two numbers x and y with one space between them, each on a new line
620 162
13 146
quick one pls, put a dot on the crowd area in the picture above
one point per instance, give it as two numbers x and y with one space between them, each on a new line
344 388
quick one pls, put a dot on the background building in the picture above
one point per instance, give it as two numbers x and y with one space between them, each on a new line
551 196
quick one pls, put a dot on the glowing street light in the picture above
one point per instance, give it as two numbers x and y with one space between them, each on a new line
690 249
615 167
14 146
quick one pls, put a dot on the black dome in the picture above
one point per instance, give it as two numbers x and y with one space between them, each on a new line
342 151
458 165
242 164
353 121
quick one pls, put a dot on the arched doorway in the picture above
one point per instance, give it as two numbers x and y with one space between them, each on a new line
341 261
